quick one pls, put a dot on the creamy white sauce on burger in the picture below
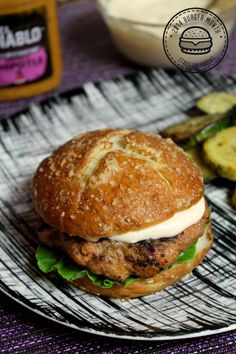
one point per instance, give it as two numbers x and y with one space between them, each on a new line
168 228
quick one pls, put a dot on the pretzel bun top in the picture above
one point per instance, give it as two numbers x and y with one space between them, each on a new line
112 181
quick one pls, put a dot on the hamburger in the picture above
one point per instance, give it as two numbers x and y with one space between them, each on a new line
123 213
195 40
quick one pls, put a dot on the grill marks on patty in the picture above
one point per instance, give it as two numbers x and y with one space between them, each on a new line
119 260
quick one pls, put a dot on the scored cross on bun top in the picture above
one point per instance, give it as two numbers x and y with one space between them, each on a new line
112 181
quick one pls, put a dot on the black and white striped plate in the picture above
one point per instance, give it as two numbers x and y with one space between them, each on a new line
200 304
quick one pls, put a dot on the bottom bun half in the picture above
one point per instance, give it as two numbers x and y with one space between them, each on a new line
159 282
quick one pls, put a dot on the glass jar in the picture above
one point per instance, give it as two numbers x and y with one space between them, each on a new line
30 54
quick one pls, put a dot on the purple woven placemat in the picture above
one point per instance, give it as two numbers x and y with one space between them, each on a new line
24 332
89 55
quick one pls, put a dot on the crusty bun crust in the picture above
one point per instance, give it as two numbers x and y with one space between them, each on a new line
151 285
112 181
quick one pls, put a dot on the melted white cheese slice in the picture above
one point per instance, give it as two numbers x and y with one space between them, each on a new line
168 228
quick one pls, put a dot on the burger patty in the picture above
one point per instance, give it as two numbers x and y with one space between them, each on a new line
119 260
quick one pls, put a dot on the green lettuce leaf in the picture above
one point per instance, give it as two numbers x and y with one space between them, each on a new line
49 260
46 258
187 255
130 280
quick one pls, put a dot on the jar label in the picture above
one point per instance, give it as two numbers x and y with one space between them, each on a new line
24 48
